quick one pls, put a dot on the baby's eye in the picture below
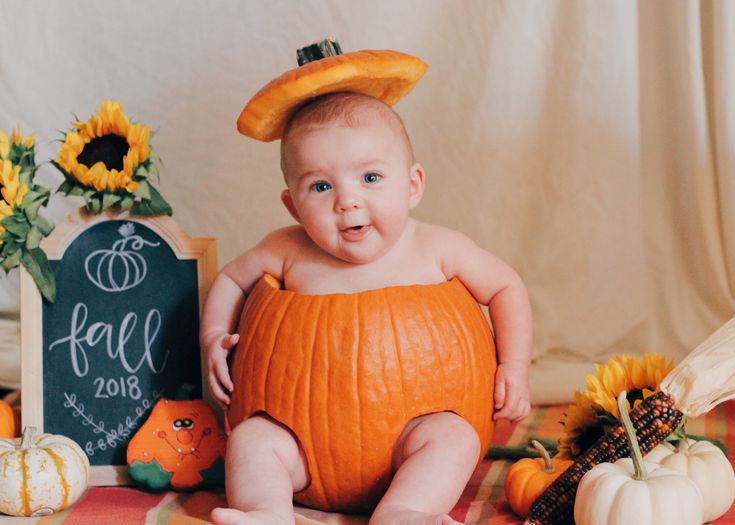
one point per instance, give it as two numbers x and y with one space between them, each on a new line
320 186
371 178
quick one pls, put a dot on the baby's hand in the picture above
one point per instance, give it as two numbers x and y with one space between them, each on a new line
511 391
218 374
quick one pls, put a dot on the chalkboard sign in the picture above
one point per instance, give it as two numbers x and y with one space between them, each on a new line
123 332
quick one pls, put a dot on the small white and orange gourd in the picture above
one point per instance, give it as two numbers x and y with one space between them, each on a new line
707 466
41 474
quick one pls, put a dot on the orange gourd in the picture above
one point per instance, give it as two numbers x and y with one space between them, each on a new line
9 420
346 372
528 478
177 446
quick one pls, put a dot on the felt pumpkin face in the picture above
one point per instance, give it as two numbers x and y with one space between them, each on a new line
346 372
181 445
41 475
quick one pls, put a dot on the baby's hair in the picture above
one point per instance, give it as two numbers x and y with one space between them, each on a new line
345 108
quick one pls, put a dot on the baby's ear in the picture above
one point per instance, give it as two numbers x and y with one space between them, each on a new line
288 203
416 185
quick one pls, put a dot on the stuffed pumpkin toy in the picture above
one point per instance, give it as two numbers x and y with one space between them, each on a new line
180 446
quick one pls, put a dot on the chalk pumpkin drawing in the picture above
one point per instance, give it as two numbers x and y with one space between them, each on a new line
121 267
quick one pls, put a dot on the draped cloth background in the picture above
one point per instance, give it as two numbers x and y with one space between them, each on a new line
590 144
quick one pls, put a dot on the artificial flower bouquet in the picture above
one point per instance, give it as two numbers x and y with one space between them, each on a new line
21 225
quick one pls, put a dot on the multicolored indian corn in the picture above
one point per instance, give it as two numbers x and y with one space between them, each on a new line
654 419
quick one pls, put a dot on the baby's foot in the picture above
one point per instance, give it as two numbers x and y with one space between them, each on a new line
222 516
403 516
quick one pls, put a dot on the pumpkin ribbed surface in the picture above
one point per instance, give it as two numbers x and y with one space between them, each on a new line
346 372
48 474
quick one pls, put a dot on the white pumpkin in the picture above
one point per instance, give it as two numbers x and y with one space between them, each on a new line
634 492
41 475
708 467
609 494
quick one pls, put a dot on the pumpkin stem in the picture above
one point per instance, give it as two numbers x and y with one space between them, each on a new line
635 451
548 465
28 435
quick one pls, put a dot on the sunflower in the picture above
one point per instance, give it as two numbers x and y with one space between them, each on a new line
595 410
21 226
107 160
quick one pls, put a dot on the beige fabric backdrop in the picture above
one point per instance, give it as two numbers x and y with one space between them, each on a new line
591 144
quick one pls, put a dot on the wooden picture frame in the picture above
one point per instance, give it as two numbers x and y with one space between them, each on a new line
184 247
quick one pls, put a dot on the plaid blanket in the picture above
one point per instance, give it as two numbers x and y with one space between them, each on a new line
483 501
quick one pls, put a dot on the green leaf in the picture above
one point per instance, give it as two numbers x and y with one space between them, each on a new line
36 263
17 226
43 224
76 191
12 261
127 203
109 200
9 246
143 191
94 205
156 206
65 187
33 239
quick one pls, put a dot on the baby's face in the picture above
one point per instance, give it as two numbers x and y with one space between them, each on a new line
351 188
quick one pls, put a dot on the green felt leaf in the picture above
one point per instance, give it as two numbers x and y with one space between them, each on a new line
150 475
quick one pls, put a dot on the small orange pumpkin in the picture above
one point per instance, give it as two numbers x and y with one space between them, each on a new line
527 478
180 446
9 420
346 372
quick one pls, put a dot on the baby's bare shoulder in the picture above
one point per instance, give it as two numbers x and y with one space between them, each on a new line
285 238
440 238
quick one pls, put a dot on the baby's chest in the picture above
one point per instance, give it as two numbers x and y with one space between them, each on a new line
314 278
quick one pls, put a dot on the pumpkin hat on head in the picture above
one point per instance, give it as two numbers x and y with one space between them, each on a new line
386 75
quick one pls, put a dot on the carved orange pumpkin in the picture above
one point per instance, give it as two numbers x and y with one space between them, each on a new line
346 372
178 446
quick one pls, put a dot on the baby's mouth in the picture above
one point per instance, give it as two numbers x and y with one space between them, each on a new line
356 233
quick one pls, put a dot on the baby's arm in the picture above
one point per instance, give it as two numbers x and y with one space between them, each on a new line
497 285
224 303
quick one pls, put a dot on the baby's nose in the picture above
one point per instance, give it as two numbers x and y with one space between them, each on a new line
347 201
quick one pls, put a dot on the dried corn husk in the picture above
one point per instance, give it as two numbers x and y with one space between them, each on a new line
706 377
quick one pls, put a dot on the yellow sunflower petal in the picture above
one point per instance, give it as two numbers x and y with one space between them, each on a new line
4 145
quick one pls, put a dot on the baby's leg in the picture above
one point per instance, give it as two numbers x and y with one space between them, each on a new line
435 457
264 467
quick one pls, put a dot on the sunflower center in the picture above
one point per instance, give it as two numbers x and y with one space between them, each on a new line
109 149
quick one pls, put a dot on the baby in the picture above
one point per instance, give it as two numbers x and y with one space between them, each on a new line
351 181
